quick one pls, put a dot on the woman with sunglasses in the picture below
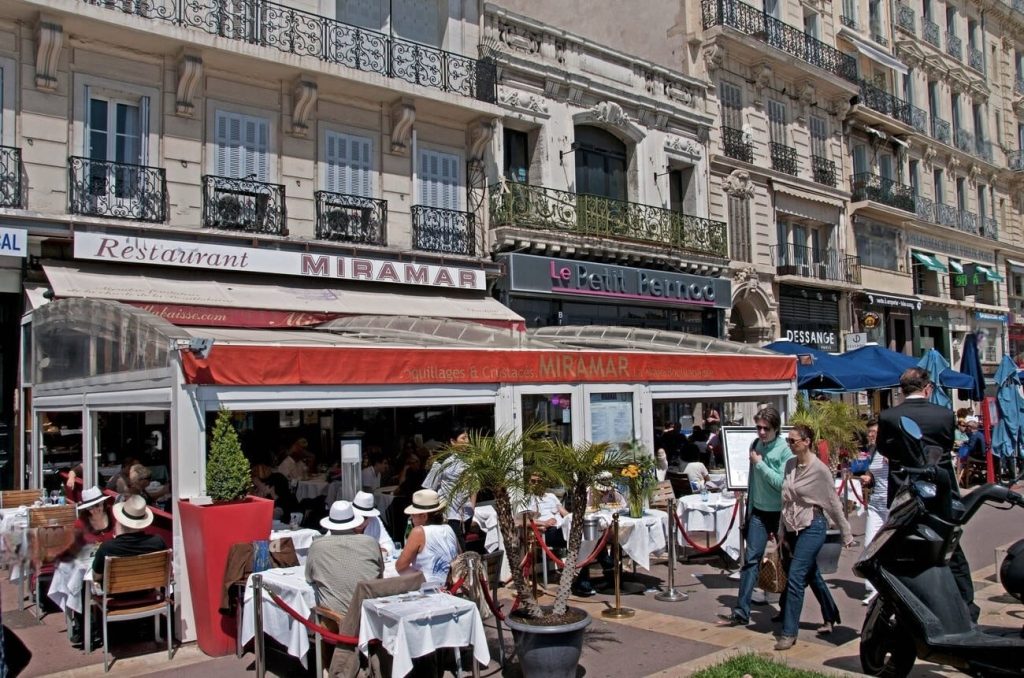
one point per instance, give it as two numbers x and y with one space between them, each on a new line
808 494
768 457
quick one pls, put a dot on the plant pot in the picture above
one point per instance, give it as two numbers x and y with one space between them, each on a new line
549 651
208 533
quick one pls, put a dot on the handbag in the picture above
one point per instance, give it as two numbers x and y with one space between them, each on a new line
772 576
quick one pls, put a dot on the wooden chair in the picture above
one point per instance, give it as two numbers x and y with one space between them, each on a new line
50 533
148 577
16 498
492 567
662 493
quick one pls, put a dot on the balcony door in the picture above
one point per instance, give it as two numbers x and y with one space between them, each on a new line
349 164
439 179
242 146
115 148
600 163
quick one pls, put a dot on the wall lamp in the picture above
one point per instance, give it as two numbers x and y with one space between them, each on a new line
573 147
661 174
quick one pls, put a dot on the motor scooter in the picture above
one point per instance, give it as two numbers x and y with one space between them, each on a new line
919 613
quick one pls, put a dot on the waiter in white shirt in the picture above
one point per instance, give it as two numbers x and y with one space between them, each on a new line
362 505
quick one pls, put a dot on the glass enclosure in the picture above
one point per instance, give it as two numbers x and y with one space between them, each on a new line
60 444
553 410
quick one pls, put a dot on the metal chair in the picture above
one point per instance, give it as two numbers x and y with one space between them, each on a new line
149 577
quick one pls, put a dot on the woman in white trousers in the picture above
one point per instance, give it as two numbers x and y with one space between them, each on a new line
877 479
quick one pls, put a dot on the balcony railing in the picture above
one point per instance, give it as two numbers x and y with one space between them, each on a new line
964 140
548 209
941 130
735 145
905 18
924 208
447 231
947 215
824 170
954 46
294 31
867 186
887 104
10 177
984 149
100 188
969 222
919 119
807 262
879 37
849 22
351 218
930 32
1015 160
950 217
976 59
755 23
783 158
243 205
989 228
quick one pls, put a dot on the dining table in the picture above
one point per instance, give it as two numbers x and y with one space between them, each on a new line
13 539
638 537
712 516
311 488
69 578
302 538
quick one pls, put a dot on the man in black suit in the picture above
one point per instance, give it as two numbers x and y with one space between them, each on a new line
937 426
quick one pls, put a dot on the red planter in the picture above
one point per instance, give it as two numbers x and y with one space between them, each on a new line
208 533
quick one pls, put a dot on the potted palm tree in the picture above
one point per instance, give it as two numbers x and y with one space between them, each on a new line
211 525
549 639
836 425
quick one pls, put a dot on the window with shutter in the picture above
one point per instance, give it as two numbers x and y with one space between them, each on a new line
731 99
777 121
440 180
819 137
349 164
242 146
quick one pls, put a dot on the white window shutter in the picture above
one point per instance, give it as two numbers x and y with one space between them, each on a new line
363 184
222 140
425 177
262 149
144 131
331 162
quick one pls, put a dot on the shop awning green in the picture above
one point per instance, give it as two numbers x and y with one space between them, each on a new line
990 273
956 266
929 261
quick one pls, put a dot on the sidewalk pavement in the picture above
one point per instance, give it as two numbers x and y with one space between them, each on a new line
662 639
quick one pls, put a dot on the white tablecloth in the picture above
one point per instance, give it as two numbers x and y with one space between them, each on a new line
66 586
301 540
383 497
13 522
414 625
487 518
639 537
713 517
854 492
289 583
311 488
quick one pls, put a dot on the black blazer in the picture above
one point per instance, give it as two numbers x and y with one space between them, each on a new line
937 427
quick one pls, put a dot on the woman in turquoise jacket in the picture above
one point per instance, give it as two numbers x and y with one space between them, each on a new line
768 457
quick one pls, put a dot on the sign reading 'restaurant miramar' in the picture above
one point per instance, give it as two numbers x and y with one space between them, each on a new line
159 252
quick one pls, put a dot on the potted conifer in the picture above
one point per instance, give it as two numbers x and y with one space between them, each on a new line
549 639
211 525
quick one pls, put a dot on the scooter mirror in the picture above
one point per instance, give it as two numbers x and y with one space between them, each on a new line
933 453
910 427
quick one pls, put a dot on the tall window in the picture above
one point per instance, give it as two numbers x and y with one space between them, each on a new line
860 159
517 156
115 134
982 203
812 24
885 165
938 186
600 163
739 229
955 100
951 20
875 18
777 121
961 194
730 98
440 180
773 8
682 190
819 137
933 99
349 164
242 143
978 113
915 179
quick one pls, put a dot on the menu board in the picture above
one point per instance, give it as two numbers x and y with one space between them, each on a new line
736 444
611 421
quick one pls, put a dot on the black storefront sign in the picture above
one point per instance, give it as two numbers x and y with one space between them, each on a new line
891 301
810 316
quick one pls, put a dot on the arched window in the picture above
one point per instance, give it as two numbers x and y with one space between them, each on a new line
600 163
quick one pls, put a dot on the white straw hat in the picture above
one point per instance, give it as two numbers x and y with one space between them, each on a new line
424 501
341 517
90 497
362 504
133 512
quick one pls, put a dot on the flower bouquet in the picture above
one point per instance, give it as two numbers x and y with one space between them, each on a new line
640 479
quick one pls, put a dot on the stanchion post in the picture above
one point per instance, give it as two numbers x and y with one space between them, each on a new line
846 475
741 498
671 595
528 536
617 612
257 618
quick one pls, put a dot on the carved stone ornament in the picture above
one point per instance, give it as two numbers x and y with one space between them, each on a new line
972 174
714 57
687 146
611 113
739 185
478 136
514 99
49 41
762 78
403 115
680 94
929 155
190 73
952 163
304 96
747 275
518 38
841 107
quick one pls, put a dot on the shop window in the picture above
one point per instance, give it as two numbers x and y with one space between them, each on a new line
1017 285
60 445
553 410
134 439
611 418
926 281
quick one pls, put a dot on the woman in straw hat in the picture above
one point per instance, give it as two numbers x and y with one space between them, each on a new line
94 524
431 546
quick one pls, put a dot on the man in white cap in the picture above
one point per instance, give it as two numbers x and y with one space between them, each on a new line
132 516
337 562
362 505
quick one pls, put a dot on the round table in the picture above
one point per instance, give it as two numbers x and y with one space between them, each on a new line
639 537
711 517
311 488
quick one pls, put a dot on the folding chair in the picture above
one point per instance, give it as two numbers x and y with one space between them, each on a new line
149 577
16 498
50 533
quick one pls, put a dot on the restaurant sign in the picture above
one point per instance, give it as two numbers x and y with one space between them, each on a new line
13 242
207 256
892 301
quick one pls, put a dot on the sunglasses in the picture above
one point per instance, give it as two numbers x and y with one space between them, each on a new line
794 441
763 428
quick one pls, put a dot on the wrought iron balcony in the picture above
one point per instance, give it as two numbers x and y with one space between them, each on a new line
976 59
447 231
867 186
930 32
924 208
100 188
824 170
969 222
919 119
735 145
849 22
10 177
887 104
351 218
807 262
548 209
793 41
964 140
1015 160
905 18
783 158
947 215
941 130
984 149
1018 85
954 46
269 24
989 228
877 36
243 205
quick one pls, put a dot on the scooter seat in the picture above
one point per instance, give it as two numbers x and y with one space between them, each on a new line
982 638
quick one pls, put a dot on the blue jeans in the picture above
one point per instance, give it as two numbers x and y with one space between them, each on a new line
759 526
801 561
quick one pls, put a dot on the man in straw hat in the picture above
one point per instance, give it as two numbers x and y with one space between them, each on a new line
132 516
363 505
340 560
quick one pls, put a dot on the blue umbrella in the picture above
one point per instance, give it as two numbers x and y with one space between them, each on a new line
970 364
936 364
1008 436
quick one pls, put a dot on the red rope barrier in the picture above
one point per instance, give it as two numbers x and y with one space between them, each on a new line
328 635
494 607
853 490
456 585
707 549
558 561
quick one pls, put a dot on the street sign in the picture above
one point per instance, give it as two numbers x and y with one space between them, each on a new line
855 340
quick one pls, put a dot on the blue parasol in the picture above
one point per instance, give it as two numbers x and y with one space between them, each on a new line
1008 435
936 364
970 364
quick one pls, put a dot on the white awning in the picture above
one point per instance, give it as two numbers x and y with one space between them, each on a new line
1017 266
875 54
144 286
